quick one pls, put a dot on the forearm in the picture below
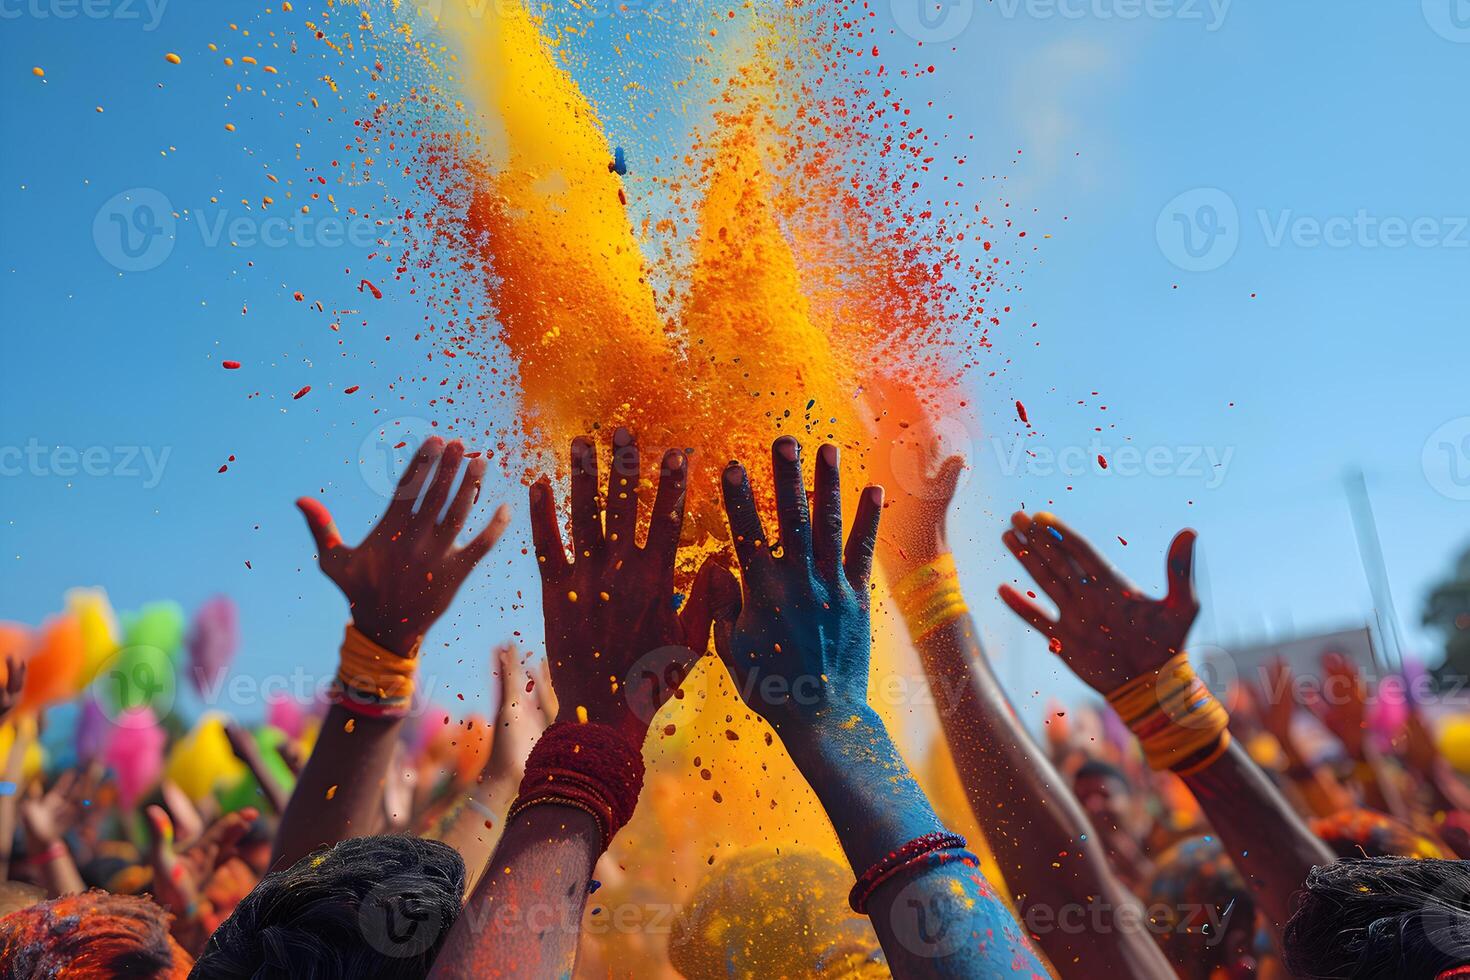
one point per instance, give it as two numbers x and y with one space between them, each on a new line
1050 853
524 917
1266 840
1319 789
940 920
59 872
474 827
341 786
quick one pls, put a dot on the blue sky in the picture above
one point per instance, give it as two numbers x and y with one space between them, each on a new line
1314 318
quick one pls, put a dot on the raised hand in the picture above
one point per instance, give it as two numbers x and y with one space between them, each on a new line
919 481
520 718
800 645
404 574
1107 631
46 816
612 605
1338 702
180 875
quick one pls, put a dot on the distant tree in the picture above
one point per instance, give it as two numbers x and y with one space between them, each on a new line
1447 610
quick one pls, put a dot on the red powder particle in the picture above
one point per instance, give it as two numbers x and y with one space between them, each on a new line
1021 412
230 365
301 394
377 293
1123 541
348 391
1102 461
298 297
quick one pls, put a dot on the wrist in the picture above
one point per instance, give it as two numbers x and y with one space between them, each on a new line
628 725
397 638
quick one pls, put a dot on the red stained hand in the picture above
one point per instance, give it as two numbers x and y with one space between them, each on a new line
1108 632
615 645
404 574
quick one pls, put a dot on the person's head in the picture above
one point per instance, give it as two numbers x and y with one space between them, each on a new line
91 935
1381 917
734 928
1359 832
365 907
1107 795
1202 911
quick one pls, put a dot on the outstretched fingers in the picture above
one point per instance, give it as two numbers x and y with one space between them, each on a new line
471 554
586 509
1180 571
465 498
323 529
551 554
412 482
622 491
666 522
827 514
438 493
1028 611
863 539
791 505
751 546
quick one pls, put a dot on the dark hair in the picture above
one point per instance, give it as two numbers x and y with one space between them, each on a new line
1098 769
365 907
95 934
1381 917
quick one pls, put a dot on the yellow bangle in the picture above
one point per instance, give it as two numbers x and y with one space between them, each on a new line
929 596
380 674
1174 716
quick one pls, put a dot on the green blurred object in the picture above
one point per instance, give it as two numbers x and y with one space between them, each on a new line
247 791
158 624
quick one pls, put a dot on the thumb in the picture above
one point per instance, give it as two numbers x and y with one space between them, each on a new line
319 522
170 882
1181 570
714 600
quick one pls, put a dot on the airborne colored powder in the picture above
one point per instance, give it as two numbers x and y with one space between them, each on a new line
785 281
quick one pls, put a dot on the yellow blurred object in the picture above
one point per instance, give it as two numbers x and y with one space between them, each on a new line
35 758
99 629
203 761
1454 742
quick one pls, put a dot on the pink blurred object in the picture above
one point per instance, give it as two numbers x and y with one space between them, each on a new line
286 714
135 753
94 731
213 640
1389 710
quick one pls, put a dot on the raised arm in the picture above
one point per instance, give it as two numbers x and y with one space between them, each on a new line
799 655
609 615
398 581
1047 848
1130 648
474 826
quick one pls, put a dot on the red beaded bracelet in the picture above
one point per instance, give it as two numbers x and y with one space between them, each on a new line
904 858
591 767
